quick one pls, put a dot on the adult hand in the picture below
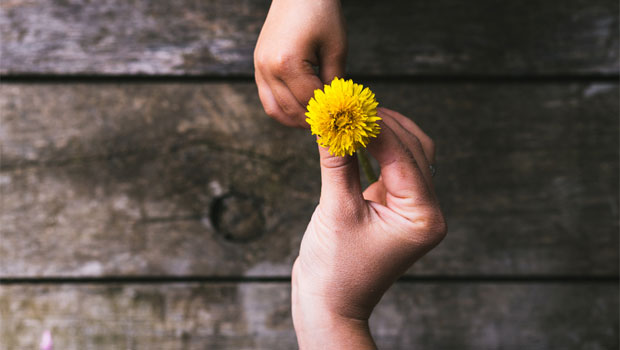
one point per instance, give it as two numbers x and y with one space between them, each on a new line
297 36
358 244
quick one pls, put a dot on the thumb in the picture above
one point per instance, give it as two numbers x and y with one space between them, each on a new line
341 192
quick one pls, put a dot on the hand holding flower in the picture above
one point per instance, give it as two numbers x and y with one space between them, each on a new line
358 244
297 36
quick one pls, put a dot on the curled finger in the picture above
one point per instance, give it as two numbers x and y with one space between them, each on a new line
414 146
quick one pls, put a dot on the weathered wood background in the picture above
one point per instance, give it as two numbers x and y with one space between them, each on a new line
133 141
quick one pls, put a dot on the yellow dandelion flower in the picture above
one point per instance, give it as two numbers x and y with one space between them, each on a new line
344 116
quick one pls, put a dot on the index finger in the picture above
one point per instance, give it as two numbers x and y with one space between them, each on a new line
428 146
406 188
302 84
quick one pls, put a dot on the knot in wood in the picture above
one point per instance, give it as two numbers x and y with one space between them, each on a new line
238 217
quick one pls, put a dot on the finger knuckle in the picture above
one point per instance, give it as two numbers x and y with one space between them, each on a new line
336 163
261 60
281 64
432 226
436 229
271 111
441 228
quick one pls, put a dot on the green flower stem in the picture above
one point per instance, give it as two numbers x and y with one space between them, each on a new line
366 166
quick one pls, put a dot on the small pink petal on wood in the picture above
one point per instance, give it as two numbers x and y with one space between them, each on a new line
46 341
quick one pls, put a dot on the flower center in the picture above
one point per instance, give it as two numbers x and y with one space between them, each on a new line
342 120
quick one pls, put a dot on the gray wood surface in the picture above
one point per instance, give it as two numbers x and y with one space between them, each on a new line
256 316
189 37
157 178
166 179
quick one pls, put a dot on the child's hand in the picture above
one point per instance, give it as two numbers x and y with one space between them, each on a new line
297 35
357 245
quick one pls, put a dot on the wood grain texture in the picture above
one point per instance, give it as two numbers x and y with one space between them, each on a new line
256 316
217 37
130 176
109 179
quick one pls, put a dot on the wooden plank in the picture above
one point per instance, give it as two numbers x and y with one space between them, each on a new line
189 37
257 316
164 179
132 174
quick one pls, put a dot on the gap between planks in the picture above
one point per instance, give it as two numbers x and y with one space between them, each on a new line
489 279
439 79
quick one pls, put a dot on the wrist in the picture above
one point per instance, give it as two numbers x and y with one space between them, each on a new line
318 329
318 326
